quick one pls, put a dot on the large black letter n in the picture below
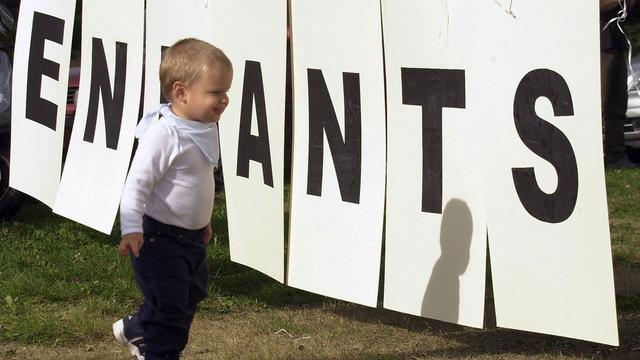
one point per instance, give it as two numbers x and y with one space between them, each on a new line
347 153
112 102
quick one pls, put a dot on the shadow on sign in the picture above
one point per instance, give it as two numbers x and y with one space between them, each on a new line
442 298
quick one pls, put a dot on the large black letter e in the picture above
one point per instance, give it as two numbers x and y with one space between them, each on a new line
45 27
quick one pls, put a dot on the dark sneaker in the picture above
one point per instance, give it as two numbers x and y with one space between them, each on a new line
123 333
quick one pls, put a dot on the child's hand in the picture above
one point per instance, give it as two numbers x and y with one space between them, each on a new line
207 234
131 243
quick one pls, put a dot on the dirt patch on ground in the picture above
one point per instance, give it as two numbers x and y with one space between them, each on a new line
352 332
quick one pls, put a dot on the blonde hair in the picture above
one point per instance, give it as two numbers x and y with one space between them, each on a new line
186 60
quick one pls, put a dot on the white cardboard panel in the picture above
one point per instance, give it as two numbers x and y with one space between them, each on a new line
435 258
549 277
36 149
255 32
94 172
167 22
335 245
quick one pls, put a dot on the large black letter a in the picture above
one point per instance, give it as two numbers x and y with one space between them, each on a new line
252 147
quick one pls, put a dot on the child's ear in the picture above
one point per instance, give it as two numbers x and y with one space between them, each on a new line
178 91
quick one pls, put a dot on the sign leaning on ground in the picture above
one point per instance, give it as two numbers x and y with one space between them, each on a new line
106 116
492 131
41 56
253 35
548 226
337 181
435 251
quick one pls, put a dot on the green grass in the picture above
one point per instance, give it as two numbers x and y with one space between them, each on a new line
623 193
55 274
63 283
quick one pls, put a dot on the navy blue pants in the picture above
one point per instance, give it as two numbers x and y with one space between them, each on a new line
172 273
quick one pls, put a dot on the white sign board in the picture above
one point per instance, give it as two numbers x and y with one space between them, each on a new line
548 227
435 244
167 22
253 35
494 127
339 149
107 113
39 96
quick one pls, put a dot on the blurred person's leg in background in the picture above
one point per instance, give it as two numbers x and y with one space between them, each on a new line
614 105
613 70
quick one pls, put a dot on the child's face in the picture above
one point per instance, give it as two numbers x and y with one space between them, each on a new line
206 98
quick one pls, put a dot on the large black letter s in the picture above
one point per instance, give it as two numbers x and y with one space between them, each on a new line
548 142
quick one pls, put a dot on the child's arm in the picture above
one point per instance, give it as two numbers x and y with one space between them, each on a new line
152 159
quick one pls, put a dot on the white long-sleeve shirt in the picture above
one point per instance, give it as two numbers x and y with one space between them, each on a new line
169 180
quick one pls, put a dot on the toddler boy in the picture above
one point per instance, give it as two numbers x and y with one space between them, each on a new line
166 205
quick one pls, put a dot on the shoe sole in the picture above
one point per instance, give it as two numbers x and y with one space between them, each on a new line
118 333
133 350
